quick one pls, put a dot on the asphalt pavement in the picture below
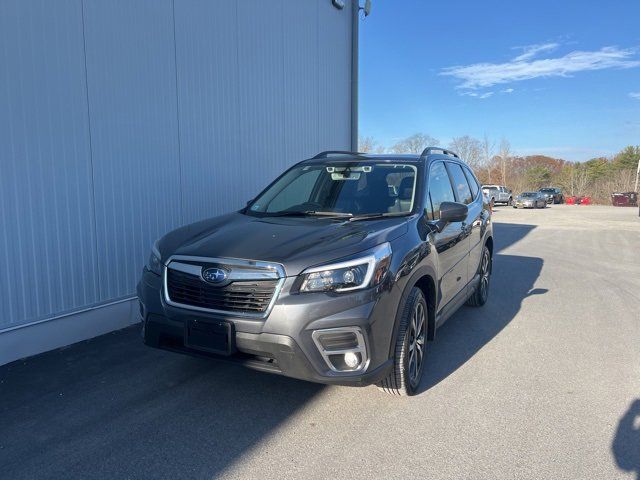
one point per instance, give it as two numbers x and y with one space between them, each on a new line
542 382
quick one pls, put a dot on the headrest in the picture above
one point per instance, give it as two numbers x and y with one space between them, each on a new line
405 190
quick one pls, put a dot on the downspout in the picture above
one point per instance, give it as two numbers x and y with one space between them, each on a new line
355 10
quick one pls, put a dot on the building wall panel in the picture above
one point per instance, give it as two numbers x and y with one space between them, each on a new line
134 134
47 241
208 85
123 119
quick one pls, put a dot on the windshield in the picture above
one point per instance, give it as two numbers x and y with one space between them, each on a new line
529 194
354 188
548 190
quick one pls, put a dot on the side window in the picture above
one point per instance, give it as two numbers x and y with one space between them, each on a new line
439 189
460 184
473 183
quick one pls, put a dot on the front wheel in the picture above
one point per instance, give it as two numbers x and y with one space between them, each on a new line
409 350
481 293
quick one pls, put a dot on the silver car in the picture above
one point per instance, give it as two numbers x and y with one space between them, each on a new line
530 200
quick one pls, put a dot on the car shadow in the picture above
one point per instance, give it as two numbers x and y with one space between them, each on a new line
626 443
113 408
469 329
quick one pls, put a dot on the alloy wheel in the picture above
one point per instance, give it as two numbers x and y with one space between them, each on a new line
485 272
417 337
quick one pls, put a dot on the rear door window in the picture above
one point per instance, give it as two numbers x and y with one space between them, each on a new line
473 183
460 184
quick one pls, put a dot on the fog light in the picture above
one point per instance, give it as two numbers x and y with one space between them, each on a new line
351 360
343 348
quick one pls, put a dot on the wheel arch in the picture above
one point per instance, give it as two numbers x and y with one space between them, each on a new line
423 278
428 287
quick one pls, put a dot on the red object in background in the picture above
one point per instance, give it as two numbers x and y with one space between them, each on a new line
624 199
570 200
585 201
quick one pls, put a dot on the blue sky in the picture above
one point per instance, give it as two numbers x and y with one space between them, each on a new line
560 78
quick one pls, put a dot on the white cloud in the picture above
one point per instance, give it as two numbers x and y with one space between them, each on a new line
635 95
478 95
531 51
508 90
523 67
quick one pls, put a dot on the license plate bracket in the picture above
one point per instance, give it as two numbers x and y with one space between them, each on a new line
211 336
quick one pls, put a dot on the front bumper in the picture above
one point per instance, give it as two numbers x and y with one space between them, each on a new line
524 204
282 343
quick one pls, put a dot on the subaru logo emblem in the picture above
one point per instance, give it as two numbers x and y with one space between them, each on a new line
214 275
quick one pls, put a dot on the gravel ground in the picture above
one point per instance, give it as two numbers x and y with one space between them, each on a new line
542 382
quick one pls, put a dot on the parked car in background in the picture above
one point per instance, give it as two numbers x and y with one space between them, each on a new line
498 194
530 200
553 195
328 275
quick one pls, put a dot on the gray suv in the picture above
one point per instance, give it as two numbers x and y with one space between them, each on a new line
339 272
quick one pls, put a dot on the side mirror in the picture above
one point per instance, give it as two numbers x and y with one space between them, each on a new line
451 212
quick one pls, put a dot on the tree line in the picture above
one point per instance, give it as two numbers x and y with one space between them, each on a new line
496 163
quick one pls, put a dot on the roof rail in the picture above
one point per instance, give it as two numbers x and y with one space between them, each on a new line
429 150
326 153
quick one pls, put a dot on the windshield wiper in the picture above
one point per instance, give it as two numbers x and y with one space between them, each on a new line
369 216
309 213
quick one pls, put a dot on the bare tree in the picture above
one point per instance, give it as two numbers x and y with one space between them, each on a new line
488 147
468 149
574 179
380 149
504 158
416 143
366 144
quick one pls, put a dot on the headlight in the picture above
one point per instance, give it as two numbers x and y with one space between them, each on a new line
361 272
154 264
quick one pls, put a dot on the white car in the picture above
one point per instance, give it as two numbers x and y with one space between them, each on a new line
498 194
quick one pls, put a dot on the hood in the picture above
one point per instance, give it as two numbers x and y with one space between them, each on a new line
295 242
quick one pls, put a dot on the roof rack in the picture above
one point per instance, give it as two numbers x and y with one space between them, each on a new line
429 150
326 153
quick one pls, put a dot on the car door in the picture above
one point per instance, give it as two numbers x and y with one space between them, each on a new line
464 195
477 220
452 243
504 194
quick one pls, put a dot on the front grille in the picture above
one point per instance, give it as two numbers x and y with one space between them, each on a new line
249 297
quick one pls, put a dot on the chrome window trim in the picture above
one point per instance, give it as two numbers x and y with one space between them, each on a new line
270 271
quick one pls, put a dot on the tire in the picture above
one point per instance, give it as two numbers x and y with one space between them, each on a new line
481 294
409 350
